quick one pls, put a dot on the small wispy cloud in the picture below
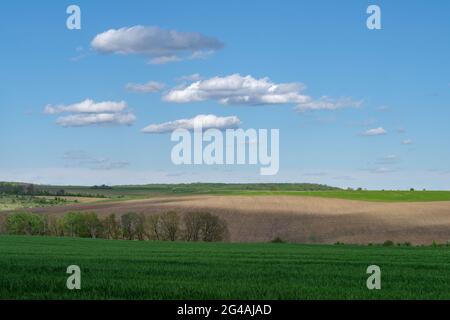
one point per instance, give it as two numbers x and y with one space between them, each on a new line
149 87
375 132
82 120
382 170
327 103
388 159
190 78
84 160
382 108
407 142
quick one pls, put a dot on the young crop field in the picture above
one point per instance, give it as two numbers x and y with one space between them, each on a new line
365 195
35 268
145 191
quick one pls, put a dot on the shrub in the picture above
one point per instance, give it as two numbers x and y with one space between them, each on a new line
80 224
278 240
388 243
2 223
25 223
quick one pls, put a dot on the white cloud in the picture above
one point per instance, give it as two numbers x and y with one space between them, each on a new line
87 106
160 44
407 142
149 87
246 90
375 132
88 113
237 89
81 120
326 103
207 121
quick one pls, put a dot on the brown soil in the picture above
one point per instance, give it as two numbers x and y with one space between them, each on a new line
300 219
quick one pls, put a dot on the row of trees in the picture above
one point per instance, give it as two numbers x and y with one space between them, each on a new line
169 226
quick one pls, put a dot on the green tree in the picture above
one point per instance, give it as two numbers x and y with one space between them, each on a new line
25 223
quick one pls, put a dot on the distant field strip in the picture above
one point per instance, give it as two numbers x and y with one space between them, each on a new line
378 196
35 268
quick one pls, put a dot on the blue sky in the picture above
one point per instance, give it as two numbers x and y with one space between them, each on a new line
396 79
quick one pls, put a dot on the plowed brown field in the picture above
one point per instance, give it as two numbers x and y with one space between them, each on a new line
300 219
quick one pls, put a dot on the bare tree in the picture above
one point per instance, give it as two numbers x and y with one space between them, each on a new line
170 225
129 223
193 226
154 227
204 226
111 227
213 228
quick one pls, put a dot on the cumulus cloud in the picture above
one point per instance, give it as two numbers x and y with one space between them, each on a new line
246 90
87 106
375 132
207 122
149 87
88 112
237 89
82 120
161 45
326 103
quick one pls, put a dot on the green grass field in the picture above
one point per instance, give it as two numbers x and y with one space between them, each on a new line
34 268
132 192
369 195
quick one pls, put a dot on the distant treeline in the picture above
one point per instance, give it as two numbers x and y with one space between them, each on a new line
169 226
28 189
188 188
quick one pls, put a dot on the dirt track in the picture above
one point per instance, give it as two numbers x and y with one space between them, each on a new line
301 219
